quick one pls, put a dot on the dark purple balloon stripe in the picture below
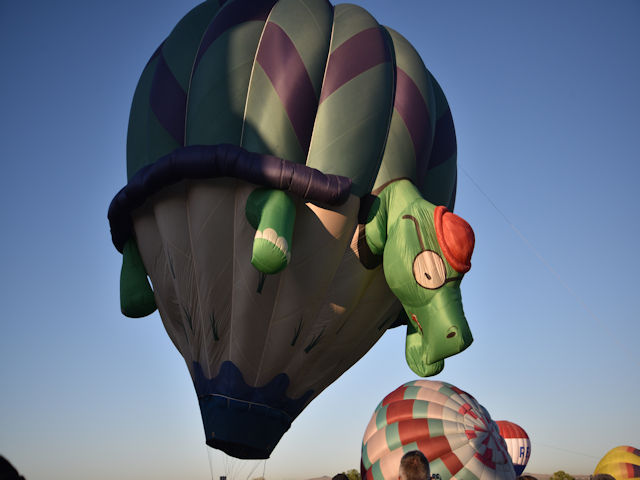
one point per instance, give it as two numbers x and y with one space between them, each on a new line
412 108
444 142
363 51
211 161
233 13
168 101
279 58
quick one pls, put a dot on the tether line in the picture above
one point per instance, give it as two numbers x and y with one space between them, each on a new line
550 268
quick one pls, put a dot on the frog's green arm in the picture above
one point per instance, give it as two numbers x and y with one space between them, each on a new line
136 297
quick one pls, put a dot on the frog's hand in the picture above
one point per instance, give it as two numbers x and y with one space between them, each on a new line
272 213
136 296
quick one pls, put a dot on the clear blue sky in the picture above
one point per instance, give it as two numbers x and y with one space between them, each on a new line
546 100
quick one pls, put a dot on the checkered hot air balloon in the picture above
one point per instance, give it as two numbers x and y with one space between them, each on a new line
448 425
292 167
518 444
622 463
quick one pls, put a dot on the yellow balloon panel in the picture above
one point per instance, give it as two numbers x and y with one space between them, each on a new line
622 463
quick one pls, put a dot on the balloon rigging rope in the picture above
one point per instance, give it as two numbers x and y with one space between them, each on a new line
233 468
566 450
209 458
250 473
548 266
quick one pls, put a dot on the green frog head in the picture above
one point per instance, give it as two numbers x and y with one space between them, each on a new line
426 252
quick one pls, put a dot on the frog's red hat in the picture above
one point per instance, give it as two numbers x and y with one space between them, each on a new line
455 237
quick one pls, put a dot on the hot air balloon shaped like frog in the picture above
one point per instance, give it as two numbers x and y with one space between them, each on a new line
292 175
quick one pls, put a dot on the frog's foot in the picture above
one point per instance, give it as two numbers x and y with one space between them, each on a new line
270 251
136 297
272 214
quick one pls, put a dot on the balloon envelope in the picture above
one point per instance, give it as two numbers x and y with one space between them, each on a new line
518 444
327 90
622 463
448 425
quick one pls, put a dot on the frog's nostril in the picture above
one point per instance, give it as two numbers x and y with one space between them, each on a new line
453 331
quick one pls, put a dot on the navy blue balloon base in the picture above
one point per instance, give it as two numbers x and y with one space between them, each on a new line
241 420
242 429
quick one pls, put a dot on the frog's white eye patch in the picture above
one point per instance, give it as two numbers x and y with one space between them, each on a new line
429 270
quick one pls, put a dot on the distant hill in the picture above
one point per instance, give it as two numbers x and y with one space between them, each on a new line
539 476
546 476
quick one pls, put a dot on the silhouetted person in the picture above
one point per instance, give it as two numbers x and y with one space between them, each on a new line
340 476
414 466
7 472
602 476
526 477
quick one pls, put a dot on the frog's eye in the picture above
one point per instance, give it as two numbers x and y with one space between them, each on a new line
429 270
